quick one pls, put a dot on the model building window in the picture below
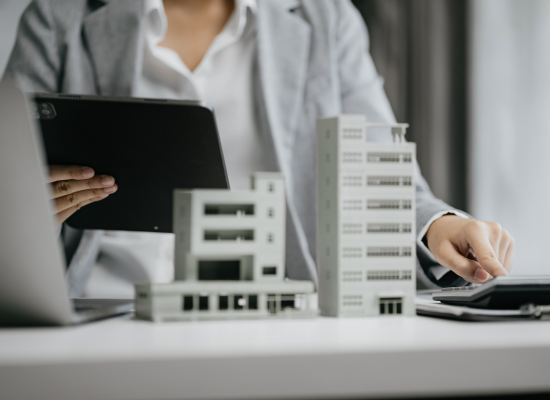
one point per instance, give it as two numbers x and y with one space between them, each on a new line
391 305
406 275
352 180
287 301
239 302
383 252
352 157
271 187
187 303
270 238
383 181
407 228
351 229
389 275
407 181
352 133
269 271
229 209
223 302
253 302
219 270
351 252
352 204
352 276
352 300
383 157
407 157
383 204
229 235
407 204
271 213
272 303
203 302
382 228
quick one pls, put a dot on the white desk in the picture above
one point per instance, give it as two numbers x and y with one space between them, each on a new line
324 357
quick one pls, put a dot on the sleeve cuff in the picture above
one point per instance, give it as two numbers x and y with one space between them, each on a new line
438 271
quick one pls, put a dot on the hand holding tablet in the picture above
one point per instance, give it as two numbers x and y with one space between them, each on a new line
75 186
150 146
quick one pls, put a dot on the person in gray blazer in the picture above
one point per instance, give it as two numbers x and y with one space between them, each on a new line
271 68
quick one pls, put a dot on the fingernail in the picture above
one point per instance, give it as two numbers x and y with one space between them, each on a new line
480 275
87 172
103 196
107 180
110 189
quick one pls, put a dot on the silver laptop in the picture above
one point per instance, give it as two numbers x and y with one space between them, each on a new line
33 290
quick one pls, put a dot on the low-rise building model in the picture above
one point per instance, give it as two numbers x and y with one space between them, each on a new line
230 258
366 249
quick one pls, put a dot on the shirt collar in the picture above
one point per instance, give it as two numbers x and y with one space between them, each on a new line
156 23
235 26
155 20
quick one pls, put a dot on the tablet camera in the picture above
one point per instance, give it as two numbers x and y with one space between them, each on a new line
43 110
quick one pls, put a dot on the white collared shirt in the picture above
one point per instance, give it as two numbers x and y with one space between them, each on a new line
224 79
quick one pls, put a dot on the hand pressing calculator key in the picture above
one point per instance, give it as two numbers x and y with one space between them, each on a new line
503 292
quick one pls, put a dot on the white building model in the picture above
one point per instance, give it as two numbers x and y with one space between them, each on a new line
366 220
230 258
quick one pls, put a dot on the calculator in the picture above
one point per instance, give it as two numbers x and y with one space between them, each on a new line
503 292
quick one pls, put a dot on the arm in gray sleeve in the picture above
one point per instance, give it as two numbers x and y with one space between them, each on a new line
362 92
36 59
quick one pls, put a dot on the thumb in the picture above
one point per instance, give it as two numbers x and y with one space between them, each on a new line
470 270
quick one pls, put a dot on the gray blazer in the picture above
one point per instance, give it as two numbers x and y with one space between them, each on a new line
312 62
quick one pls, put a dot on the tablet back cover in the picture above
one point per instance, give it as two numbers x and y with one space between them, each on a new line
151 147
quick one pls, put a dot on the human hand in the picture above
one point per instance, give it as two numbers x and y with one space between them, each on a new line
74 186
475 250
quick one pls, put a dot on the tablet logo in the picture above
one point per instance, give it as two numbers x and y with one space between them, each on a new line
42 110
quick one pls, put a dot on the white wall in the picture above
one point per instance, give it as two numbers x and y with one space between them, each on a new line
10 11
510 126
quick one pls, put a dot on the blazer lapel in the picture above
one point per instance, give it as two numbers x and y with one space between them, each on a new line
283 52
111 34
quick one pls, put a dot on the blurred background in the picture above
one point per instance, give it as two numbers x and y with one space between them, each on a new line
472 77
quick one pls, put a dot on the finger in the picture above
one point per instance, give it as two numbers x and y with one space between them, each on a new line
503 247
73 199
484 252
494 241
63 188
466 268
509 258
66 172
63 215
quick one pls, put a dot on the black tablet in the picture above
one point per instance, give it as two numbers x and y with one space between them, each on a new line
150 147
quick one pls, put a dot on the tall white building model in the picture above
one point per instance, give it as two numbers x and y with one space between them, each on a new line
366 220
230 258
